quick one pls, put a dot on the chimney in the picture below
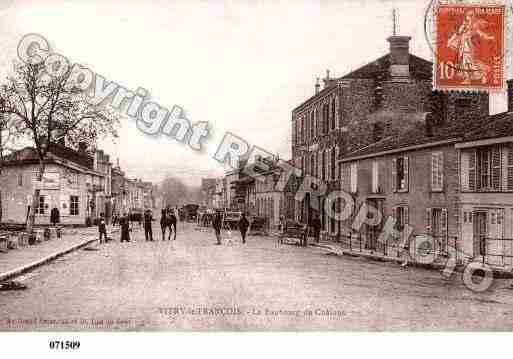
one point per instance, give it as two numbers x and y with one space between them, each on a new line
82 147
399 57
317 86
326 80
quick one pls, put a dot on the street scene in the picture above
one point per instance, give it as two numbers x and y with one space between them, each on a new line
364 183
191 284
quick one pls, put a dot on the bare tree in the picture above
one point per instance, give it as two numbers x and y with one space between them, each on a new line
49 109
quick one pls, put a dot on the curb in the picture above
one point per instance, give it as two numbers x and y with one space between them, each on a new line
497 273
26 268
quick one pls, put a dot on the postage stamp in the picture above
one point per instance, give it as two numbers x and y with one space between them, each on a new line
469 50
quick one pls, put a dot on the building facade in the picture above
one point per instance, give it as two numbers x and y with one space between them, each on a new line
376 101
70 183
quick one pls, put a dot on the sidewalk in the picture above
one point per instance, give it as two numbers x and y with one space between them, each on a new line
440 264
20 260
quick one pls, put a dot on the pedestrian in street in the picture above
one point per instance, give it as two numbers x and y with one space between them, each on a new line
172 222
54 216
316 225
243 227
102 228
148 232
217 223
125 228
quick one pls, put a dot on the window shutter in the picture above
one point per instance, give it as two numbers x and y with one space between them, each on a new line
394 174
337 164
496 168
510 168
406 173
472 170
434 171
319 164
444 225
429 221
441 170
328 165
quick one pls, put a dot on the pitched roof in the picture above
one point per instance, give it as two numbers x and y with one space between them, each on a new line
29 155
495 126
419 69
499 125
416 135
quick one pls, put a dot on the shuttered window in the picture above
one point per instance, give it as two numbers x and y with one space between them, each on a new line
496 168
354 177
437 164
333 163
429 221
375 176
324 165
400 174
510 168
472 185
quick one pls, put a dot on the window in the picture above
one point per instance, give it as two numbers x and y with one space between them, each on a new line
437 165
437 227
323 165
326 110
73 205
353 177
42 205
400 169
312 125
375 177
312 165
401 217
20 179
481 169
303 130
333 117
333 163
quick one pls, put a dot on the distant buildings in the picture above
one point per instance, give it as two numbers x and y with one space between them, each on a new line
80 184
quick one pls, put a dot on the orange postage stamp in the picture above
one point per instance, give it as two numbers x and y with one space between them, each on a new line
469 52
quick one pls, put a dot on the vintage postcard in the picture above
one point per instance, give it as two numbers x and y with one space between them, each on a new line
255 166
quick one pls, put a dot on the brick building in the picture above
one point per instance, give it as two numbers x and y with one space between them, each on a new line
376 101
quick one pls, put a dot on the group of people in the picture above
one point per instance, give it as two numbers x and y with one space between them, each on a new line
217 224
124 222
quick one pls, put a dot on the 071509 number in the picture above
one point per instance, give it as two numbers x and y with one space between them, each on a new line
64 344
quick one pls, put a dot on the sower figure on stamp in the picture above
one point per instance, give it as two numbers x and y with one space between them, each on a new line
102 228
148 218
243 227
463 42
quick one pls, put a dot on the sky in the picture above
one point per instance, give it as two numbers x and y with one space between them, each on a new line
240 65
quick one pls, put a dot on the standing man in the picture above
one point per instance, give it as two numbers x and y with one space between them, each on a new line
148 232
316 224
125 228
243 227
172 219
102 228
217 224
54 216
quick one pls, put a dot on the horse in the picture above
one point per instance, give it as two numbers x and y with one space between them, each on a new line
168 220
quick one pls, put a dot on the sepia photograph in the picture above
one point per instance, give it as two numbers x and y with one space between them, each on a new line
255 166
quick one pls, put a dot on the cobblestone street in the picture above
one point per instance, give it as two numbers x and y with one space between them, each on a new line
192 284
